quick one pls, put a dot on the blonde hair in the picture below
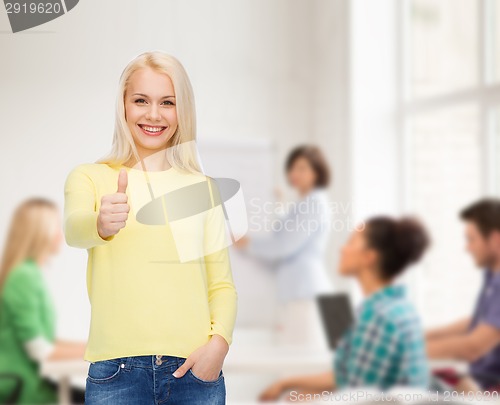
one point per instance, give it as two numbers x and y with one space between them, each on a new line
183 157
31 233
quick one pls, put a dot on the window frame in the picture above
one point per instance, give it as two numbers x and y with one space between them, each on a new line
485 95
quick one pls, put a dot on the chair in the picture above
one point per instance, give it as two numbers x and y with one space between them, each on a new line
493 381
14 395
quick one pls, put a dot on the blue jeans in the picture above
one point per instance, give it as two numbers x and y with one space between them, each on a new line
148 380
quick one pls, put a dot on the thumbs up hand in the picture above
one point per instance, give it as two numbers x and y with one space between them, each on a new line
114 209
122 181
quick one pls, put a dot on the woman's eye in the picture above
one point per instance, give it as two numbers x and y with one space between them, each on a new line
140 100
168 102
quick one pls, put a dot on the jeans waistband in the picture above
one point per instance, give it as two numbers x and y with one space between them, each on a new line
149 361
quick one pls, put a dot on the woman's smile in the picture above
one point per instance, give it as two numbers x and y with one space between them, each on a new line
151 130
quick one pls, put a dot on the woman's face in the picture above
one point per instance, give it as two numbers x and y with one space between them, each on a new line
355 255
301 175
150 110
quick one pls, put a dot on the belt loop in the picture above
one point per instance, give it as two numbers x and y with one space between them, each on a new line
126 363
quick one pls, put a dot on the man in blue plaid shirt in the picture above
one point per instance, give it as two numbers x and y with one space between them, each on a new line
385 347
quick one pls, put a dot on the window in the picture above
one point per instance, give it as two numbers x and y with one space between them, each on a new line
444 45
450 121
495 150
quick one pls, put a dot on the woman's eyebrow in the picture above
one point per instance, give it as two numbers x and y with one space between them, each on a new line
144 95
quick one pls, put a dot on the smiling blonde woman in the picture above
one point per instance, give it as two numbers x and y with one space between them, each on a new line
161 319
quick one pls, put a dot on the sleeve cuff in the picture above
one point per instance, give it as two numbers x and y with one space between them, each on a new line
81 230
219 331
39 348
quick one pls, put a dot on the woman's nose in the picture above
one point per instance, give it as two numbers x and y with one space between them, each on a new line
154 113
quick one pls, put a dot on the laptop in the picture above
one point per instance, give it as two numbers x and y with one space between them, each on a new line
336 315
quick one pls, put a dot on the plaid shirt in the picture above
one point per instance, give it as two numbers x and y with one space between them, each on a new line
385 347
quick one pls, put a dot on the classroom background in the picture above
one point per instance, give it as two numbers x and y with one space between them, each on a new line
402 96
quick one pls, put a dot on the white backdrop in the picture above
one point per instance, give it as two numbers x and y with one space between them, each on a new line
261 70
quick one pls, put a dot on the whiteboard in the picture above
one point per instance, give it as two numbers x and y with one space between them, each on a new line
251 162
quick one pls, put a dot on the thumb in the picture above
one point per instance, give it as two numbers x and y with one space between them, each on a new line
183 369
122 181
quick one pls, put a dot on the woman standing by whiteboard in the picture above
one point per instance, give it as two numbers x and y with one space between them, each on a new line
295 249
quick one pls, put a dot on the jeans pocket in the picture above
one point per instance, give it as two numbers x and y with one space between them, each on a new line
103 371
221 376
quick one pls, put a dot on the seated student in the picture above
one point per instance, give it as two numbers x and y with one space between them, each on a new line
27 312
385 346
476 339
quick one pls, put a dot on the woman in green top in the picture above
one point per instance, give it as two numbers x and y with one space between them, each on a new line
27 313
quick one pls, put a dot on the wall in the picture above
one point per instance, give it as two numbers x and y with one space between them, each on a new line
275 70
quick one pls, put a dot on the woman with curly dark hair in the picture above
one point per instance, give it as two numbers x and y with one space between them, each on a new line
385 346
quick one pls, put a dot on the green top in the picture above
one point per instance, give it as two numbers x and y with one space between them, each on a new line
26 311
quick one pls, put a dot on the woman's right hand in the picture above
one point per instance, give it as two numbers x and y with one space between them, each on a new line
114 210
273 392
241 243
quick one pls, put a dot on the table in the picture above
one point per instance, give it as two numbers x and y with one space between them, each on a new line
292 359
241 358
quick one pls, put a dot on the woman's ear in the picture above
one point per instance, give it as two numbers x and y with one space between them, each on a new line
370 258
